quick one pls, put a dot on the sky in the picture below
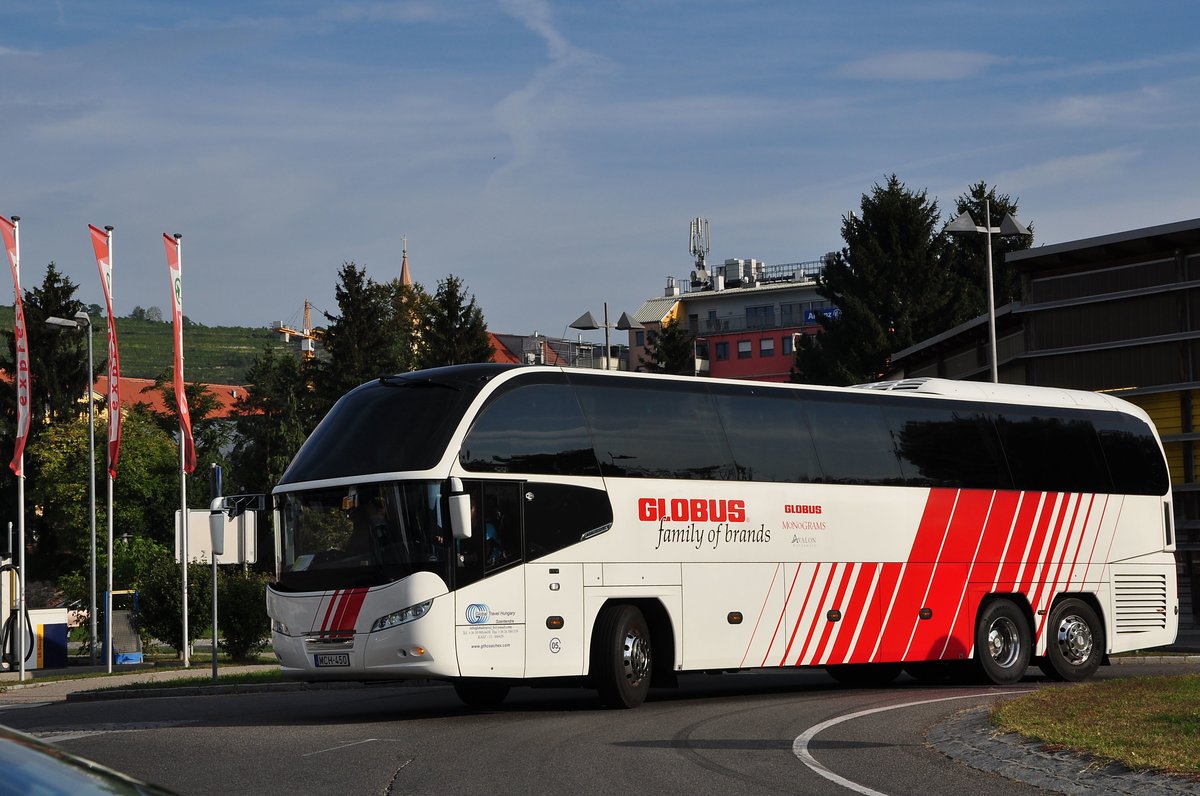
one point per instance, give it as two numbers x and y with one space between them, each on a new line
552 154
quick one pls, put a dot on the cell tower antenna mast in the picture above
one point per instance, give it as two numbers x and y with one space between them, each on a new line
699 243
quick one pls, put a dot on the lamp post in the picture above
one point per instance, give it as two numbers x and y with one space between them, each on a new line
84 321
587 322
1008 226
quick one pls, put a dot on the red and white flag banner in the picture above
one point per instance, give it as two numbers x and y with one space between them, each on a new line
175 266
8 230
102 243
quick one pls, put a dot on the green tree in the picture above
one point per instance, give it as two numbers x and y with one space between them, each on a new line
145 492
272 422
671 351
57 357
411 306
361 342
211 434
160 599
242 612
891 284
966 254
455 332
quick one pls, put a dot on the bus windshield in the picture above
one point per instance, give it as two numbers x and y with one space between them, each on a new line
364 535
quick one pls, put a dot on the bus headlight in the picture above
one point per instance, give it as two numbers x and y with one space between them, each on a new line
280 627
402 616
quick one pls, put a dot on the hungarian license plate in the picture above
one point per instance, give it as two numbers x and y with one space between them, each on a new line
332 659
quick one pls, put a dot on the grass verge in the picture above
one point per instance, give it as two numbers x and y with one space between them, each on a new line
1147 723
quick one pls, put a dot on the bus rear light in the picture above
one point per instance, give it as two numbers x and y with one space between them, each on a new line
403 616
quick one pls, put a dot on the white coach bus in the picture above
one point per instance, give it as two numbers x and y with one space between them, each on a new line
502 525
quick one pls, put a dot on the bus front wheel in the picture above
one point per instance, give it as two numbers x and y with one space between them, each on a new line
1074 642
621 658
1002 642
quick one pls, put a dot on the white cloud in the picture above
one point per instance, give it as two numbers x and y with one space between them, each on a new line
1071 169
920 65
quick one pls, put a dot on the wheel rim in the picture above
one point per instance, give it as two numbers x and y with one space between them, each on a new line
1004 643
635 656
1075 640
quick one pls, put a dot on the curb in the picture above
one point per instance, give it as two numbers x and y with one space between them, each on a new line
243 688
969 738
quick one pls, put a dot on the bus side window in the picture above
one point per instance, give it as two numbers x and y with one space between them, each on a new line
495 541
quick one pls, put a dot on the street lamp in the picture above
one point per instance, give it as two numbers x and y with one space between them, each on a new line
1008 226
84 321
587 322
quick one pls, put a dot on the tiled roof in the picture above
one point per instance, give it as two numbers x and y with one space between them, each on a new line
141 391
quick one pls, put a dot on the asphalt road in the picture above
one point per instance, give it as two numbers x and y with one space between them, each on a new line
732 734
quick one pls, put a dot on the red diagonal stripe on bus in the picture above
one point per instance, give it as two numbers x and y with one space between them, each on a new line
761 611
868 648
1080 534
333 598
997 532
1053 556
347 614
782 615
858 614
849 576
800 616
1029 562
1096 539
1019 540
931 531
816 622
948 580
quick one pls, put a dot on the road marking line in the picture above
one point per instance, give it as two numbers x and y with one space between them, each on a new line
800 745
343 746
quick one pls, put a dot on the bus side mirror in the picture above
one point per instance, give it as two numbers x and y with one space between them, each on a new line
460 510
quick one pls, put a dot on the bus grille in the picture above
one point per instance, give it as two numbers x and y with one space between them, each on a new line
1141 602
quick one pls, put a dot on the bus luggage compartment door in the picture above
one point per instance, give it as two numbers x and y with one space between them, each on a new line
555 634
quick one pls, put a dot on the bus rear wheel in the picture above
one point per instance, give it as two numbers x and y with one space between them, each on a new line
1002 646
481 693
1074 641
621 658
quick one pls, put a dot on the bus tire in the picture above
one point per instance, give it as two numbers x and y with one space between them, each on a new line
478 693
864 675
1074 641
1002 642
621 658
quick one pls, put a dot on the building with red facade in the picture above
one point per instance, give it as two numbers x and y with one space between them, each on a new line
746 316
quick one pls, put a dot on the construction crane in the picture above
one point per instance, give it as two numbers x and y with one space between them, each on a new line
308 335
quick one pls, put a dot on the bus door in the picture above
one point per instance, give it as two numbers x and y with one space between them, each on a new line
559 519
489 583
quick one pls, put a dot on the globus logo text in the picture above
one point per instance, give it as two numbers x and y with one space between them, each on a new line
801 508
691 510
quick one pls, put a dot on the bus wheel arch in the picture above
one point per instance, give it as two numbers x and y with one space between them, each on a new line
632 646
1003 638
1075 639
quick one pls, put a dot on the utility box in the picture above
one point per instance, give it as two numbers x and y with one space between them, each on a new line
49 649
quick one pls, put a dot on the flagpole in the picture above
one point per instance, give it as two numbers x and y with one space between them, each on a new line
183 508
22 608
108 599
